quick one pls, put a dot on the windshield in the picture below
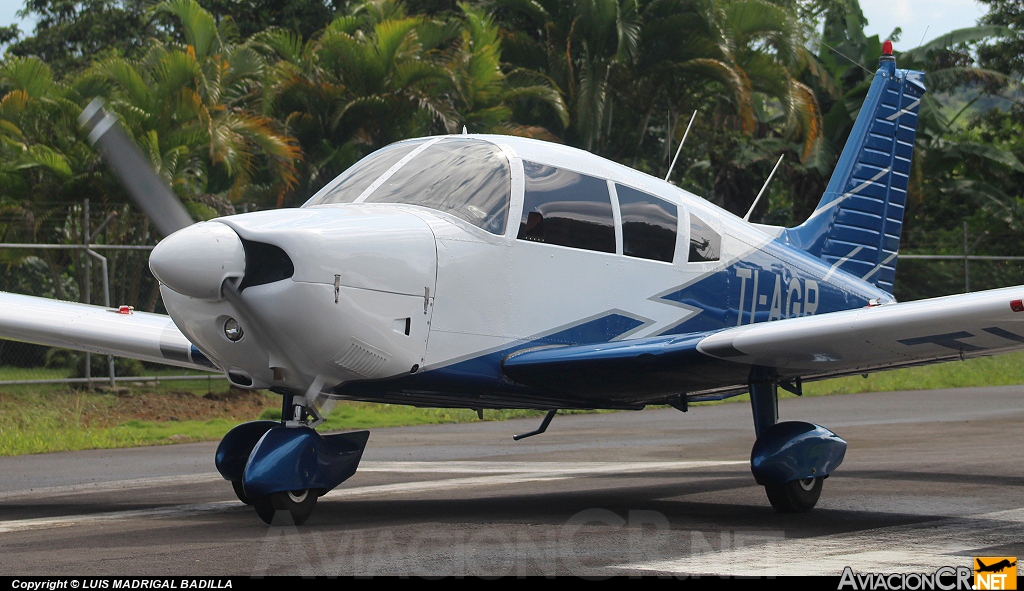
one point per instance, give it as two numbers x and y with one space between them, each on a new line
467 178
350 184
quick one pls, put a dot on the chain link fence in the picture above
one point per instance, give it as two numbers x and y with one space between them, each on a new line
50 254
97 256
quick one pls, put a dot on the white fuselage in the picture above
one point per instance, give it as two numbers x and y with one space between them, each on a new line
386 289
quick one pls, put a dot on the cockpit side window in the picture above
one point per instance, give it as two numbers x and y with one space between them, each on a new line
566 208
467 178
648 225
350 184
705 243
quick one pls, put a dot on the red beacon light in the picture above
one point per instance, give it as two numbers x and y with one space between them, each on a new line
125 309
887 56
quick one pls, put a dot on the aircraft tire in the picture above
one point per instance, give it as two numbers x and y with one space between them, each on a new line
795 496
240 492
286 508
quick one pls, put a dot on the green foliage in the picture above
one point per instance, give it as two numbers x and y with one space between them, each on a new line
71 33
1007 53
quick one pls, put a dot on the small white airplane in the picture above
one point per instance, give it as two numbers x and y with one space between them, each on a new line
408 280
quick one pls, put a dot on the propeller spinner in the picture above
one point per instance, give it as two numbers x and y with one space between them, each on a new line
206 261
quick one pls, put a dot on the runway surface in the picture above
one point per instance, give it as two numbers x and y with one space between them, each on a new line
930 479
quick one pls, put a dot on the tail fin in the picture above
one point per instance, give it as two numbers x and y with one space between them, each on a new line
856 226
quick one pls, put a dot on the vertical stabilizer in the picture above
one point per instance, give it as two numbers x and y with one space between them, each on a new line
856 225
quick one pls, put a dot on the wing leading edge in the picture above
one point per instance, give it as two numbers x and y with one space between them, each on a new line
139 335
842 343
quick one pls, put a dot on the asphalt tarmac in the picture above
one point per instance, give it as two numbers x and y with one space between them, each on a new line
930 479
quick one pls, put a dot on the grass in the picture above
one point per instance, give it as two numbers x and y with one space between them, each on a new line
204 381
1001 370
55 434
37 419
50 418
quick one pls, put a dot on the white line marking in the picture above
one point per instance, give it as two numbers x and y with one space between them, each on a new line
915 548
840 262
72 520
98 487
496 473
477 467
854 191
906 109
879 266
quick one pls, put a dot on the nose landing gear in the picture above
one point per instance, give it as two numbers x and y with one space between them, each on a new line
295 504
282 468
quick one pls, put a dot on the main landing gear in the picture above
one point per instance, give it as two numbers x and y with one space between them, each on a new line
281 468
795 496
790 459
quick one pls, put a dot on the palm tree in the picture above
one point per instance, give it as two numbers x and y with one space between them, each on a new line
368 79
682 63
376 76
44 168
579 45
483 95
196 109
774 112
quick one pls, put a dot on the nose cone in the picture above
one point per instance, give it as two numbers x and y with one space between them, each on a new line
196 260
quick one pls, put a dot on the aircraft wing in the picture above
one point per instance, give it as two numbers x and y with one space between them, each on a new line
139 335
842 343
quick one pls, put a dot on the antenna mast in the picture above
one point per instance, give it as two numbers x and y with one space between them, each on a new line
680 148
746 218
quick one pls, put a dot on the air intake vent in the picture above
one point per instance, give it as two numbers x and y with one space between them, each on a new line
264 263
361 359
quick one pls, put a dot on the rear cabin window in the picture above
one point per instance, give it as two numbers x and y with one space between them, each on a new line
566 208
705 243
648 225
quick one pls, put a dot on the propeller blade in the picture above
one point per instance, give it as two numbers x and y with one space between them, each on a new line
150 193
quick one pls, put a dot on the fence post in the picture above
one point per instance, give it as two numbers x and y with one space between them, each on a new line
967 251
106 302
87 292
